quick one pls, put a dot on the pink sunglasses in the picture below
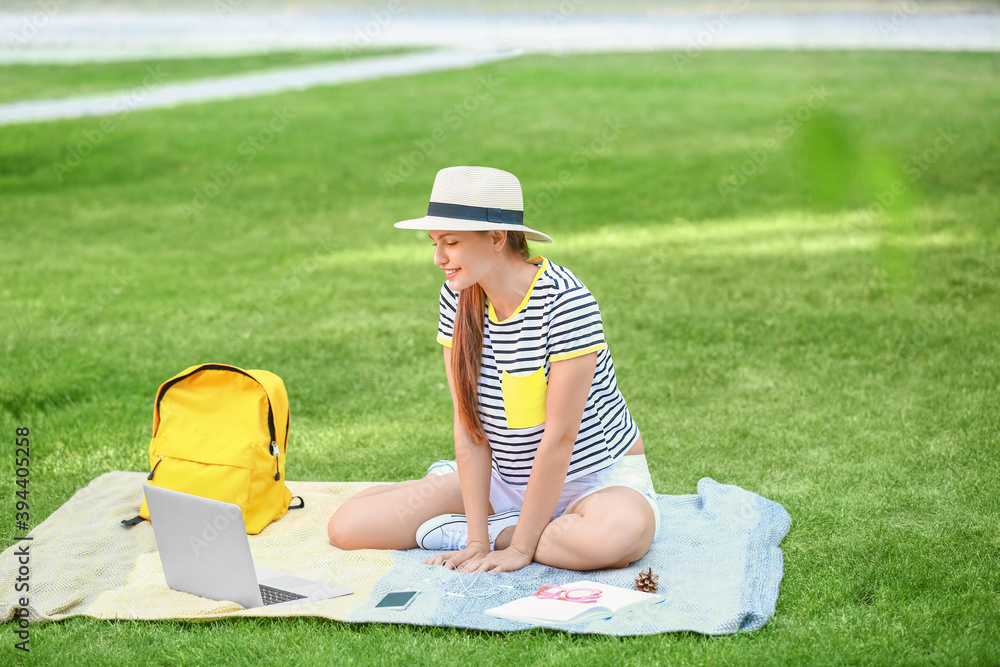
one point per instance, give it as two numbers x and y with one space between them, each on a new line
584 595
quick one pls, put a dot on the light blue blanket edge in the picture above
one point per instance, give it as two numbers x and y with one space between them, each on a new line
717 554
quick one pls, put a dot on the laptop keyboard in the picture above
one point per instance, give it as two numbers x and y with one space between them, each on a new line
276 595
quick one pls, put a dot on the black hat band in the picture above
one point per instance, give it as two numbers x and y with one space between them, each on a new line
477 213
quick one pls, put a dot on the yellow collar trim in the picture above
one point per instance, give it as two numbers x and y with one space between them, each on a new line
524 301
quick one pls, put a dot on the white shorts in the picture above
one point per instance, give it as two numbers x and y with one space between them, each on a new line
630 470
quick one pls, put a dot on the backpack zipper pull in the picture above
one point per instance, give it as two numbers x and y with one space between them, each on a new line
276 453
154 468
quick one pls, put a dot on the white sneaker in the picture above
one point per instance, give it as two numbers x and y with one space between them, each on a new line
450 532
442 467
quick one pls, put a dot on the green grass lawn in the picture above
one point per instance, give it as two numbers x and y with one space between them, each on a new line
796 255
36 82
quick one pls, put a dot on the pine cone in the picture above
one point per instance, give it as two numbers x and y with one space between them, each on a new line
647 581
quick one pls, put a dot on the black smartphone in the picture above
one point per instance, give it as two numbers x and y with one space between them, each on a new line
396 600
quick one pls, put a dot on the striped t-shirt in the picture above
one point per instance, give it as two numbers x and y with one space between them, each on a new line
558 319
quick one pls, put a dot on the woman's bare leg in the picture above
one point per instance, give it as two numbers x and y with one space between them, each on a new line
387 517
609 528
383 488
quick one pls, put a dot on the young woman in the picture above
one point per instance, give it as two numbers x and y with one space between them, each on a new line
549 466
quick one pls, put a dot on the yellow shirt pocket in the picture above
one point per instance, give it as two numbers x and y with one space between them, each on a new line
524 398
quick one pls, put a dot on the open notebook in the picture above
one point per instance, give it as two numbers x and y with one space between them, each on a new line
556 608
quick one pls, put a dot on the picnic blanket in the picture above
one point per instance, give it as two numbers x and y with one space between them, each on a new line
717 555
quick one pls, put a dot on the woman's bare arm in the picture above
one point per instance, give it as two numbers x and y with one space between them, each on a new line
474 463
565 398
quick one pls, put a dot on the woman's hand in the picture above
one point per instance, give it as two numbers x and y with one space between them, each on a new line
454 559
504 560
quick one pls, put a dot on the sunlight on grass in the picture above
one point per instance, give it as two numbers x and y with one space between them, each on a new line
796 233
792 234
67 460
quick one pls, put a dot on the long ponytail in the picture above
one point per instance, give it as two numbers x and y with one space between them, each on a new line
467 345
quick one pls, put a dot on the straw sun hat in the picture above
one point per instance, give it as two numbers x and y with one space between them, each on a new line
475 199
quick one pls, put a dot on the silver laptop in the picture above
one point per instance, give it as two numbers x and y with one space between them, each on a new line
204 550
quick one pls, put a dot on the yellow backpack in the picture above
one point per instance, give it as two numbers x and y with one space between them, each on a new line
222 432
